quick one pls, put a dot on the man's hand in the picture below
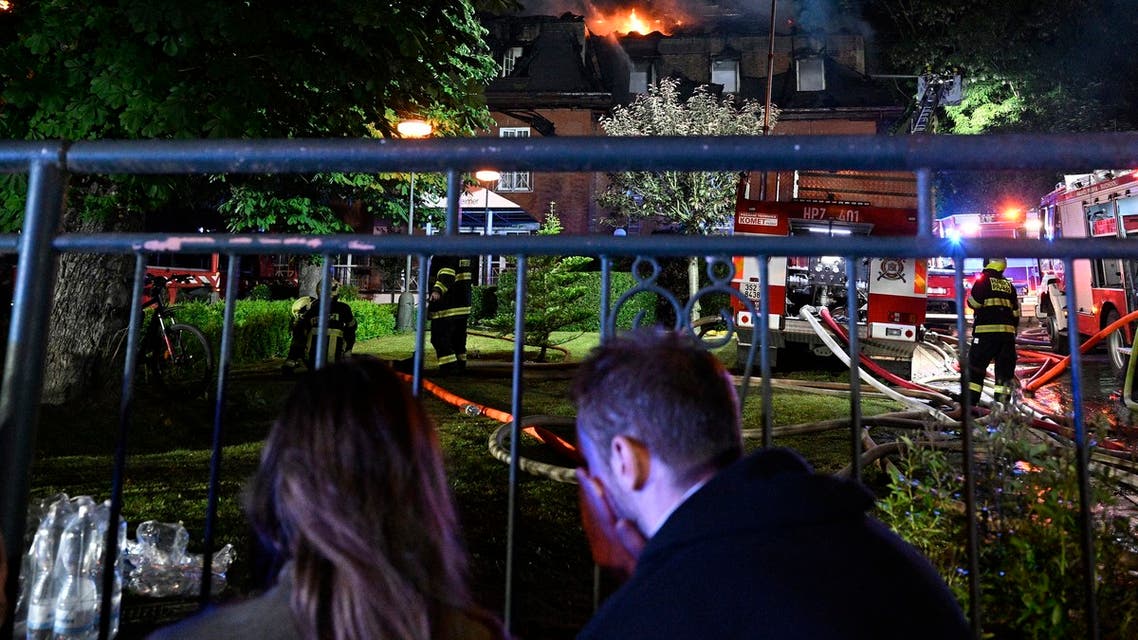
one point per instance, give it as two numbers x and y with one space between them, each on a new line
616 543
436 296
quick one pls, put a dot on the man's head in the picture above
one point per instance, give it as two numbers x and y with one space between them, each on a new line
661 394
996 264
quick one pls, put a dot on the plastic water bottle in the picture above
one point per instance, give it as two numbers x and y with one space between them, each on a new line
40 563
76 614
96 558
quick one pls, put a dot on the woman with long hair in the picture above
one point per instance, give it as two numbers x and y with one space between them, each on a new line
351 493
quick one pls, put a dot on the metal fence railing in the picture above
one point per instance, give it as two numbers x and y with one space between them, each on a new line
40 243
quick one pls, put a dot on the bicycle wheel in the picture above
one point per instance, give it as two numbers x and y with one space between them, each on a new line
188 367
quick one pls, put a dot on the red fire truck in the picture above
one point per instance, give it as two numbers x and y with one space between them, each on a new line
891 291
1023 272
1103 204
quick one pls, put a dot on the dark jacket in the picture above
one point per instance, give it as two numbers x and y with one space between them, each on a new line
268 617
451 277
995 304
767 549
341 330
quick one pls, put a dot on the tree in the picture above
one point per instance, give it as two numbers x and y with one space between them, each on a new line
697 202
553 296
1029 65
217 69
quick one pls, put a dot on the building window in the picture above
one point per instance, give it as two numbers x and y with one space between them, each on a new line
509 59
811 74
640 77
726 73
514 180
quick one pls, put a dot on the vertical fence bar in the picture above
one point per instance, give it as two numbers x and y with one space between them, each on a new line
969 456
111 543
855 367
924 204
1082 460
763 327
325 300
22 385
606 296
417 357
605 310
231 278
515 437
454 190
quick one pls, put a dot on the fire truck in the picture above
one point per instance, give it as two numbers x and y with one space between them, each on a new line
891 291
1024 273
1103 204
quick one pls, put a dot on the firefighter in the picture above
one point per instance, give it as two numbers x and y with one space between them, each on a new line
306 325
995 308
449 309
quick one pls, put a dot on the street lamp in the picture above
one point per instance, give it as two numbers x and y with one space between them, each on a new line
406 309
487 177
412 129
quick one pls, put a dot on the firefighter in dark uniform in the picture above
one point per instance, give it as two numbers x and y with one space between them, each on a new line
305 328
449 308
995 308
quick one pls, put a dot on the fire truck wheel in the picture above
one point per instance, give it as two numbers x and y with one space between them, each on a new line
1058 338
1115 344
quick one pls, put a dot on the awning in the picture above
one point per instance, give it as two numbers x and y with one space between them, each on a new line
506 216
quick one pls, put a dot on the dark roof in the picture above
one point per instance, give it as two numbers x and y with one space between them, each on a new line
845 89
553 62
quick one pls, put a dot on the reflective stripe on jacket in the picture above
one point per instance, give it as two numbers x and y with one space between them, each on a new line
451 277
996 305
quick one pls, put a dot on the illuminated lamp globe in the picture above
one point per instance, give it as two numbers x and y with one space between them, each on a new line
414 128
487 175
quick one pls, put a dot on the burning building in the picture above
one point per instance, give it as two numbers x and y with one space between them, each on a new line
560 72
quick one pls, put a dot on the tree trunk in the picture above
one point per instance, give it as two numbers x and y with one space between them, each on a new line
693 286
308 276
91 306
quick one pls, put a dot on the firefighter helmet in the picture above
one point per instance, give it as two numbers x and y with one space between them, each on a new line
334 287
996 264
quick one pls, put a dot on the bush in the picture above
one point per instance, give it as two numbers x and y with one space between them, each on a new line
620 283
261 327
349 293
260 292
373 320
483 303
1031 567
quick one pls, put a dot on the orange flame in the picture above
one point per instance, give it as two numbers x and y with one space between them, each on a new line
635 24
635 20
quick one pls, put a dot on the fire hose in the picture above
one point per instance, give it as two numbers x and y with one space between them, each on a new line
532 427
1038 420
807 314
869 363
1050 374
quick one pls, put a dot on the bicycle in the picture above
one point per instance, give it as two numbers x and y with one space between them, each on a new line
174 356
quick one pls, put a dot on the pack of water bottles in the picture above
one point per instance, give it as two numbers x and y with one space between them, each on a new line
159 566
61 580
62 577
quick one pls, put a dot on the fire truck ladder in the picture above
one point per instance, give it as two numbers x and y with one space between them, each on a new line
932 91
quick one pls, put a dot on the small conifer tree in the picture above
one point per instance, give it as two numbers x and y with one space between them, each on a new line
553 296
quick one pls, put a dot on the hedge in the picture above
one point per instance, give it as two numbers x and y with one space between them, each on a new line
261 327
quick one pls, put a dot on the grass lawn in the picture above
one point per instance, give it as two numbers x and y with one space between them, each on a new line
167 471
